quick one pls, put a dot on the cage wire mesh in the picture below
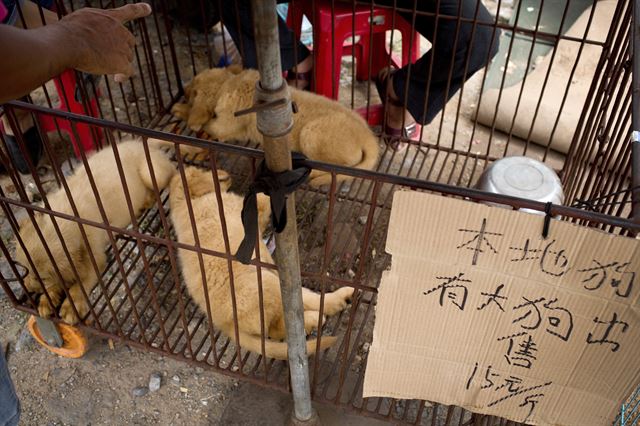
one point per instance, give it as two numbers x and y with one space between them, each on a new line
140 296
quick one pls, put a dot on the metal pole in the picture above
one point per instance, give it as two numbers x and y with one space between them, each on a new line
635 113
275 123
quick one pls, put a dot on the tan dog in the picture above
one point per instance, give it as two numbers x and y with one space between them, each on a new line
107 179
323 129
205 210
202 96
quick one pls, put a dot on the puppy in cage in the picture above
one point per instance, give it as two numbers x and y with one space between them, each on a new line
205 208
323 129
76 271
202 95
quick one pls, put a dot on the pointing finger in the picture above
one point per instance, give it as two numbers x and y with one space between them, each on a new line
130 12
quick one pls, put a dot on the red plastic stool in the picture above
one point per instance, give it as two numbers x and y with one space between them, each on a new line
339 26
83 134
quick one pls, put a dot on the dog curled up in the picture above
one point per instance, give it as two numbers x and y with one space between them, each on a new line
323 129
107 179
204 203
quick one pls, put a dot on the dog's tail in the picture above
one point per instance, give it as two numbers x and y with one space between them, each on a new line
277 350
369 159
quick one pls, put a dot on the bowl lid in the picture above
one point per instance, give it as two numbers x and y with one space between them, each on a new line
526 178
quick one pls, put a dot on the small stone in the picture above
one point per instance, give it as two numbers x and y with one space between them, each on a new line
362 220
184 390
25 341
176 380
366 346
111 345
351 273
140 391
199 370
235 368
155 380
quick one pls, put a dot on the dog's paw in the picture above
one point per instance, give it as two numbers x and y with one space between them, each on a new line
338 300
346 293
68 315
45 310
181 111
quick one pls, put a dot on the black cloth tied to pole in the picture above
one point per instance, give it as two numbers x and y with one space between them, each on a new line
277 186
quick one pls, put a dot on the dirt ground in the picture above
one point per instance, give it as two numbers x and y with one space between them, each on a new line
98 388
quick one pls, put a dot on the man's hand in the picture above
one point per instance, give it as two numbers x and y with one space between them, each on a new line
101 44
91 40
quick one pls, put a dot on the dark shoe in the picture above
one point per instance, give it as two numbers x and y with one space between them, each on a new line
33 143
393 135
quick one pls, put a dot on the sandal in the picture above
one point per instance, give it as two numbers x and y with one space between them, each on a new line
395 135
294 77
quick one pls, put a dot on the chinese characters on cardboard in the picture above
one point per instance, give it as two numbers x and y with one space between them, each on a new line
479 310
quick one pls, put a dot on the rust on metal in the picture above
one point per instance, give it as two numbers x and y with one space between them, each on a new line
140 297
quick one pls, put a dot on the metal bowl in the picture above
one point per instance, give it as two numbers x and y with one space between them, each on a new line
522 177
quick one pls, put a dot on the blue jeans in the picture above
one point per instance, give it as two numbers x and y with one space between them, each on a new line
12 10
9 404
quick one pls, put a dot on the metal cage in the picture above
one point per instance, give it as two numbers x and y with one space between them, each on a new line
140 297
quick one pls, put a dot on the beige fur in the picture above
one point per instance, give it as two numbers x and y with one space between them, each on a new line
202 95
323 129
205 209
106 176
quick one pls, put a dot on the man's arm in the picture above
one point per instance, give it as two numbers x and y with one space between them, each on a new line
90 40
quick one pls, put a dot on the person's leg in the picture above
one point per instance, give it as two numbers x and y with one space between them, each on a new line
236 16
31 13
26 14
9 403
459 56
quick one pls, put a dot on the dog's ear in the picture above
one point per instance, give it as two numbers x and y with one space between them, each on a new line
234 69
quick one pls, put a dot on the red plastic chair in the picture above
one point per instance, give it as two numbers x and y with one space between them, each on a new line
334 27
80 134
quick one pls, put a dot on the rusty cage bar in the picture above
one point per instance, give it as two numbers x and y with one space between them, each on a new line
140 296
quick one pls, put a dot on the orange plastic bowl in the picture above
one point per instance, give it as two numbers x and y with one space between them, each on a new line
75 343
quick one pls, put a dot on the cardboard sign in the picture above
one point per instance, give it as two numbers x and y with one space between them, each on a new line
478 310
